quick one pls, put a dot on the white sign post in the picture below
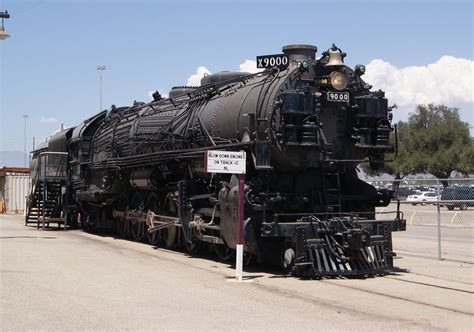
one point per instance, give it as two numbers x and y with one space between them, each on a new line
231 162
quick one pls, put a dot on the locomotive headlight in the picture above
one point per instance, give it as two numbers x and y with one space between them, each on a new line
359 70
338 80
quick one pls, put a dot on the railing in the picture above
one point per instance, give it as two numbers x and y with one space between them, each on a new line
440 222
30 199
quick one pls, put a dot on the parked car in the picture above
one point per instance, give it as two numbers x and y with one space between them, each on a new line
458 194
402 193
423 198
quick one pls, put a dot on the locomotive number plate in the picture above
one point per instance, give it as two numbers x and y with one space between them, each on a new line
273 60
338 96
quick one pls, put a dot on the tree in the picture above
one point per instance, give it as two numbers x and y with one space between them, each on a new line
440 142
435 141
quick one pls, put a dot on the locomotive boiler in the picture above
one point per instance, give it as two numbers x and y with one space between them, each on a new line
305 124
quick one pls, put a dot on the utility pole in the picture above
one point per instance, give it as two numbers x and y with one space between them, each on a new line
101 68
25 116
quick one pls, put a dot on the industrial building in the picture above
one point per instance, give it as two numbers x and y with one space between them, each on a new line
14 188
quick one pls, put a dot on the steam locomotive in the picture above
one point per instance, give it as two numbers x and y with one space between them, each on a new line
305 124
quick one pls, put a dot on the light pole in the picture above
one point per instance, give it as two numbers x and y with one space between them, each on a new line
3 34
25 116
101 68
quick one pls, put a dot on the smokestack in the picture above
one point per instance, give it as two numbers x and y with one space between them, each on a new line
300 52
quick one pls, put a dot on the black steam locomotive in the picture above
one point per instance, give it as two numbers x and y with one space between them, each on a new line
304 123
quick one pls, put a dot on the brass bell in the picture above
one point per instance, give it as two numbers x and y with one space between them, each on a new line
335 58
3 34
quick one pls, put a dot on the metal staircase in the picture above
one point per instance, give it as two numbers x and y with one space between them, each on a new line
44 203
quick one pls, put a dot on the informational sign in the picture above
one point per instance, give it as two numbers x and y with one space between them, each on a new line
231 162
272 60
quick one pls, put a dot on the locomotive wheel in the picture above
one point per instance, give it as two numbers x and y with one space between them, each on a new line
169 236
122 226
89 220
223 252
153 238
86 222
287 256
194 247
248 259
137 230
153 204
137 203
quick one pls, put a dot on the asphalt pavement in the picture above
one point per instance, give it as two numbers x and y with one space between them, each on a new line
72 280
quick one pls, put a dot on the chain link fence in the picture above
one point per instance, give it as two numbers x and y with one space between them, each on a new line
439 215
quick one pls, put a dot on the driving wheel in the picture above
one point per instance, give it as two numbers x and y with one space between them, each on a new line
169 235
137 228
153 204
122 226
223 252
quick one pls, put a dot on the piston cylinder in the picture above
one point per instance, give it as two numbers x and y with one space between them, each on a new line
143 179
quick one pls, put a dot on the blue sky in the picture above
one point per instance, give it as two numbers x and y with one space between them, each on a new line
48 66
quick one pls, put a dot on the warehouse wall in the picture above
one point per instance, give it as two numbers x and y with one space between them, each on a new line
15 190
2 195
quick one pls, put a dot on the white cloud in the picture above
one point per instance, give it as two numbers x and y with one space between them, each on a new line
48 119
249 66
448 81
195 79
